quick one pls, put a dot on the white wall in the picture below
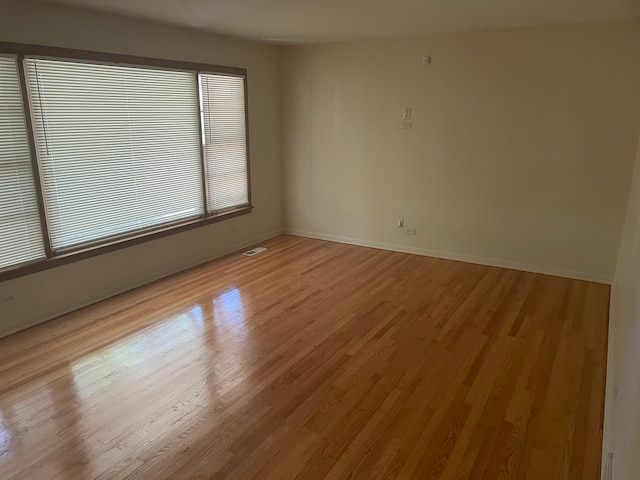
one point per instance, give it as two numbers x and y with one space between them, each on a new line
47 294
622 411
520 155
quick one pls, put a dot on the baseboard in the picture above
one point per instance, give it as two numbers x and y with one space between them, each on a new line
492 262
85 302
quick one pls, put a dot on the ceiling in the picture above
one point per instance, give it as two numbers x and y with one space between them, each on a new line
305 21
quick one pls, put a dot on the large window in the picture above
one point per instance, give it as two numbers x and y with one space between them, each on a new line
118 150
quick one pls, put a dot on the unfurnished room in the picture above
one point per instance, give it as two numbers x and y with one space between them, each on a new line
356 239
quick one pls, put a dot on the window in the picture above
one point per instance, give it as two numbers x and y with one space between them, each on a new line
120 150
20 235
224 139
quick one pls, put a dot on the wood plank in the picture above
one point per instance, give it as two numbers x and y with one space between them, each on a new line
314 360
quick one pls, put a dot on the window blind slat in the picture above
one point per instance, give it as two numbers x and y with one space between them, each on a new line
118 147
225 140
20 233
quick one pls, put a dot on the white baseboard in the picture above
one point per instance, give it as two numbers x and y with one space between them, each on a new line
116 290
492 262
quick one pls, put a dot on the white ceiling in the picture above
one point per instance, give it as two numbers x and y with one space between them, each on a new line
304 21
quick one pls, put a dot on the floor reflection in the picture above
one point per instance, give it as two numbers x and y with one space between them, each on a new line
136 357
37 412
196 316
227 341
6 437
73 459
186 365
228 308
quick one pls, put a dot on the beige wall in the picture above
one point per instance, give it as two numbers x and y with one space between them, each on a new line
520 155
47 294
622 410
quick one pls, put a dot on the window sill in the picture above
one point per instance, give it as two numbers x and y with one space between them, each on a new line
135 239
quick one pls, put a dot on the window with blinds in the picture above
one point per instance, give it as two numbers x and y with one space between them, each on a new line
118 146
117 150
20 232
223 113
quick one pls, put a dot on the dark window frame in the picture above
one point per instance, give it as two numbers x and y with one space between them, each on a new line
53 259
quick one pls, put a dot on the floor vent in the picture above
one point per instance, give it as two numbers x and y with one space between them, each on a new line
254 251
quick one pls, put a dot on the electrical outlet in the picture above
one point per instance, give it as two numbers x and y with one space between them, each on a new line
7 300
410 231
407 125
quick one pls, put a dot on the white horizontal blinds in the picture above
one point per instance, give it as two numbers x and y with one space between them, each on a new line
225 140
20 233
119 147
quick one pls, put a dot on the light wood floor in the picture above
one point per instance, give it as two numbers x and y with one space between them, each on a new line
314 360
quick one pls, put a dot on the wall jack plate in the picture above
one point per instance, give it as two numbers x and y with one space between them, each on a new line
7 300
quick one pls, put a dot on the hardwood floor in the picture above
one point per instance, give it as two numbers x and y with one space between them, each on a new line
314 360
